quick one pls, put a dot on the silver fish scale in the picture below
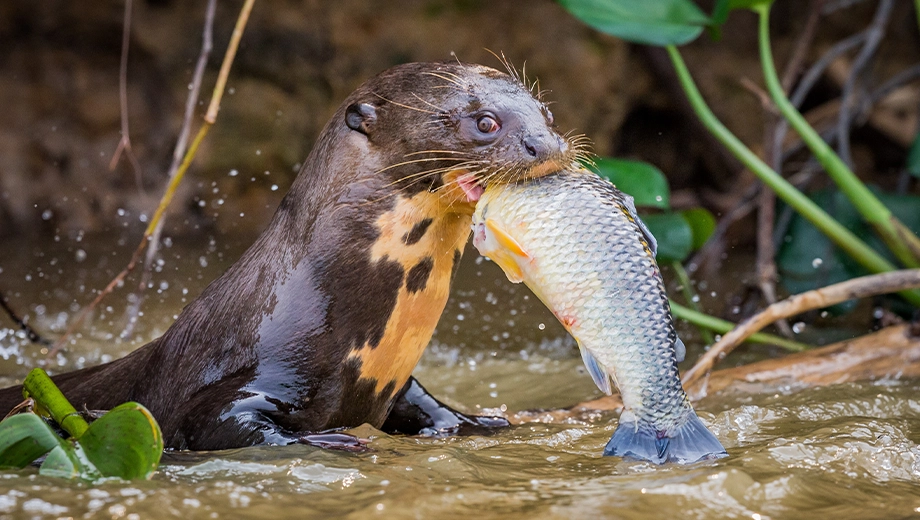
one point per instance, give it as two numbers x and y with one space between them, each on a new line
590 264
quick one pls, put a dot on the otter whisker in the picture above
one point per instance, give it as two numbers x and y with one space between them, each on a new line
454 81
432 105
405 106
424 159
438 151
418 175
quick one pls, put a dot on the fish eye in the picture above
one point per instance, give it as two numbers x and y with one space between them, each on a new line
487 124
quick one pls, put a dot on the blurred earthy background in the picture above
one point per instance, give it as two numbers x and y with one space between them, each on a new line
60 117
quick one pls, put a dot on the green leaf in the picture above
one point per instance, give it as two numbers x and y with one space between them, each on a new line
126 442
23 438
68 460
643 181
807 259
913 157
659 22
702 223
673 233
723 7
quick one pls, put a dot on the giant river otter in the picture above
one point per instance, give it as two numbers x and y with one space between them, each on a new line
320 323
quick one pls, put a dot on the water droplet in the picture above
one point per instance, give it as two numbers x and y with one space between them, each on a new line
696 298
121 212
798 327
541 326
79 255
274 187
460 317
234 173
47 214
816 263
202 261
658 198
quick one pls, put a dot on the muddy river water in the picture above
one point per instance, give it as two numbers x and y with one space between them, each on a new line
847 451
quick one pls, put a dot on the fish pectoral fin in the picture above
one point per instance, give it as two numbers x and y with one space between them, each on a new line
506 240
597 370
509 253
680 350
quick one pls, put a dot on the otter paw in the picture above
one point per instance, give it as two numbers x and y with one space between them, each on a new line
335 441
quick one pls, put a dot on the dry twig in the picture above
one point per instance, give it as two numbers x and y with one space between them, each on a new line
209 120
33 336
124 145
874 35
862 287
207 44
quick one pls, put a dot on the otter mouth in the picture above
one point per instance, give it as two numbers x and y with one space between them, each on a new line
471 186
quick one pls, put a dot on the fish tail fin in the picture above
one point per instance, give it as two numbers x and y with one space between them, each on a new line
691 442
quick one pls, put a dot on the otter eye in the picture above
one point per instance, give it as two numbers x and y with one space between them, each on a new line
487 125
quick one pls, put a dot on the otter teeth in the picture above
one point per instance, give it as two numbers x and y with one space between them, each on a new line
470 187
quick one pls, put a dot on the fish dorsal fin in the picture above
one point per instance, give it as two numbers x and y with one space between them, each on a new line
680 350
597 371
649 237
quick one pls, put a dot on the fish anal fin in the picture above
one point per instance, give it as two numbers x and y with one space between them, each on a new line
597 371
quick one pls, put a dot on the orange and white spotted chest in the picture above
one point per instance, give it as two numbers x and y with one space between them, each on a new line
426 237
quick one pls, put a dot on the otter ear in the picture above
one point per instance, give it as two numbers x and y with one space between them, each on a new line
360 116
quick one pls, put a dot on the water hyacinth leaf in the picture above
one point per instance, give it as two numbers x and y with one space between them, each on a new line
67 460
702 223
808 260
674 235
126 442
24 438
913 157
643 181
661 22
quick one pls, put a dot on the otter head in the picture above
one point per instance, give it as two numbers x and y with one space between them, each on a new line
452 128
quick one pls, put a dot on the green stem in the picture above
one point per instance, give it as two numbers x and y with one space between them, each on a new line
917 11
42 389
723 327
841 236
895 235
687 288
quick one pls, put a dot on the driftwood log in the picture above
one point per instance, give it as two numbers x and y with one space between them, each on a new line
893 352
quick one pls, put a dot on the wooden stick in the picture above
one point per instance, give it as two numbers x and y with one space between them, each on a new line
862 287
210 118
890 352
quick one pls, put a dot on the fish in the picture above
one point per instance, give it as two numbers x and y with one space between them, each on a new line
577 242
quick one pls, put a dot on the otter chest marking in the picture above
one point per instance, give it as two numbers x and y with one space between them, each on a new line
425 237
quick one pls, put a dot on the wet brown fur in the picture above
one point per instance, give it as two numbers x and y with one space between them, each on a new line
321 322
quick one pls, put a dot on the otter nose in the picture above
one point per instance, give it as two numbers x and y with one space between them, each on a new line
540 146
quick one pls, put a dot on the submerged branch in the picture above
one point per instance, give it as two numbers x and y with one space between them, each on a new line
825 297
